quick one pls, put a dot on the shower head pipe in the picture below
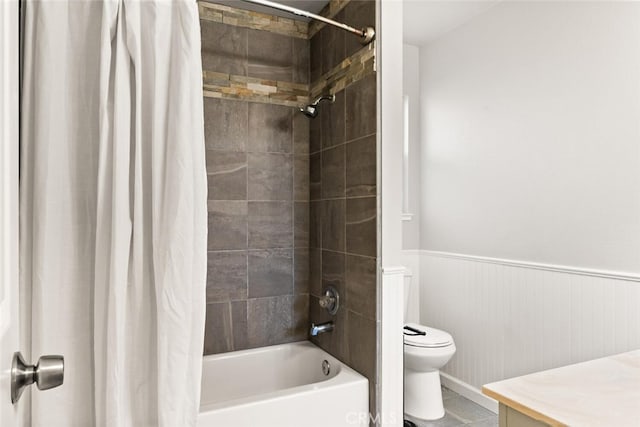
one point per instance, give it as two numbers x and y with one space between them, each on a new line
311 110
330 98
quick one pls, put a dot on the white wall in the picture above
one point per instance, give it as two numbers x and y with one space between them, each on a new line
411 164
531 135
530 221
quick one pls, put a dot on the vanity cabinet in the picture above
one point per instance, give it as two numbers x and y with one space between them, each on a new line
600 392
510 417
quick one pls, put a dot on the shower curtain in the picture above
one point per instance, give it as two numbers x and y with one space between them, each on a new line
113 209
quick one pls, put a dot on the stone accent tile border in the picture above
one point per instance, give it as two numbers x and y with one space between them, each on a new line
352 69
329 11
229 86
255 20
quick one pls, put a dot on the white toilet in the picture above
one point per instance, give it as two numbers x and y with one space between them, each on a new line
424 355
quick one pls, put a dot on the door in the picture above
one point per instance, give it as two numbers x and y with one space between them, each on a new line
9 124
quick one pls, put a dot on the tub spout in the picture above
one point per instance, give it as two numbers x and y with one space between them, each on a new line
321 328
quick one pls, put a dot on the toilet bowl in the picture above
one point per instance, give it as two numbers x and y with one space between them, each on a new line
424 355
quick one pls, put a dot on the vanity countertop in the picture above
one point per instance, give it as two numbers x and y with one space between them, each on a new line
600 392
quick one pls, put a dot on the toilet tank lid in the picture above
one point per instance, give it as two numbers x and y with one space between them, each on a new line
432 338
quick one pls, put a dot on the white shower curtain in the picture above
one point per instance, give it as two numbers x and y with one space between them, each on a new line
113 209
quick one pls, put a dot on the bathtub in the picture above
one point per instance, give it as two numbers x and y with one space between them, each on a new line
281 386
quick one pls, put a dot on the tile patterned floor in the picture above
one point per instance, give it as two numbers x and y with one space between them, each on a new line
461 412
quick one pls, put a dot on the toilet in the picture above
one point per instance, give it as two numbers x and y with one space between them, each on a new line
426 350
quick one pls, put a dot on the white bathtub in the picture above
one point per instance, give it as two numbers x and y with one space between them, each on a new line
281 386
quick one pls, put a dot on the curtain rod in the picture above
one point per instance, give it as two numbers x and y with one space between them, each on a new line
366 34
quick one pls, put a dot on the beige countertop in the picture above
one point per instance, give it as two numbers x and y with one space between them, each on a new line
600 392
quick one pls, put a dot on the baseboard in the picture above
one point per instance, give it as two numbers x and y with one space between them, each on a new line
469 392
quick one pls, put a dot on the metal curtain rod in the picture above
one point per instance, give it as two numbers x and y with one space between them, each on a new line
366 34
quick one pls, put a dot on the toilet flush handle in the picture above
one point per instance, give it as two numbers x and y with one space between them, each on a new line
415 331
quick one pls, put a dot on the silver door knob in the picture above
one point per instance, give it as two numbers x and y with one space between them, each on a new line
47 373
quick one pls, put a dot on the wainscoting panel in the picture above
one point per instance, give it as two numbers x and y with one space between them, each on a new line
510 320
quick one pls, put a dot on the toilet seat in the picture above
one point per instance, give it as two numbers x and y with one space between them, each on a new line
433 338
426 350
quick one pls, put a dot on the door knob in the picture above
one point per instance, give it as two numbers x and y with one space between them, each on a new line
47 373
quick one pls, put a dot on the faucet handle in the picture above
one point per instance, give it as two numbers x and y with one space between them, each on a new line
327 301
330 301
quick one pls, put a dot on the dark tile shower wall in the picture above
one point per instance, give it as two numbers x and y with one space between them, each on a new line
342 236
292 201
258 172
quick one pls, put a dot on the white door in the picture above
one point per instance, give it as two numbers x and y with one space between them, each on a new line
9 124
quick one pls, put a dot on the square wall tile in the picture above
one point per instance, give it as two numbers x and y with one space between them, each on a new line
315 60
301 125
361 159
227 225
333 172
361 108
300 317
333 46
301 224
227 175
239 321
301 271
332 116
315 224
270 273
360 277
270 225
218 336
315 272
315 134
226 276
301 178
301 52
315 176
333 225
361 226
270 55
361 337
269 321
270 128
270 176
224 48
225 124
